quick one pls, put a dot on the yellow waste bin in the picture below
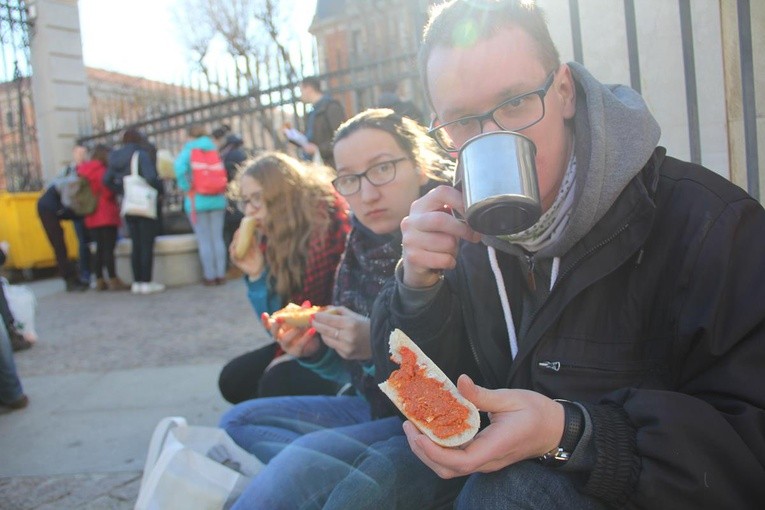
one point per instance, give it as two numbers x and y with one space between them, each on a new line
21 227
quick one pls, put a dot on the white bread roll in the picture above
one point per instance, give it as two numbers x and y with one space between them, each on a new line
245 237
297 316
398 340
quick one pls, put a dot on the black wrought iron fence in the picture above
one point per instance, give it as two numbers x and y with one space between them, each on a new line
19 155
164 112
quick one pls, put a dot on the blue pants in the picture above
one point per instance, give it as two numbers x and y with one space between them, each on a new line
310 445
83 239
212 250
525 485
10 385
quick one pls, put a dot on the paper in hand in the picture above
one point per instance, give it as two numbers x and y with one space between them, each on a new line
295 136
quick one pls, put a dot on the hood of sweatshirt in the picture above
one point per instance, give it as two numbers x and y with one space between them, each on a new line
615 135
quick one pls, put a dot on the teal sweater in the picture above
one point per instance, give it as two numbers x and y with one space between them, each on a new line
183 175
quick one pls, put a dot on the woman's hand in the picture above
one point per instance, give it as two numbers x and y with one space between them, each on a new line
345 331
524 425
299 342
253 263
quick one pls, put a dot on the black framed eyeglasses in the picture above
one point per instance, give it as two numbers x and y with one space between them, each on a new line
377 175
514 114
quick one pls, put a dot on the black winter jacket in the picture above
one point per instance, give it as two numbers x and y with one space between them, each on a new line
656 325
119 166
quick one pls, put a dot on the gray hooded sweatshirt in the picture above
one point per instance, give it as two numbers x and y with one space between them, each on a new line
615 135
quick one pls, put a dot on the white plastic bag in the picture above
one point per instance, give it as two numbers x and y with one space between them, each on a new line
23 305
193 468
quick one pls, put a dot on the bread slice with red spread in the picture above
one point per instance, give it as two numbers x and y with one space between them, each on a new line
427 398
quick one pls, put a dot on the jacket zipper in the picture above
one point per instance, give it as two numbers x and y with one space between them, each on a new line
556 366
570 268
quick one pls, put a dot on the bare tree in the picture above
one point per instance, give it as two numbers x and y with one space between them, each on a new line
251 30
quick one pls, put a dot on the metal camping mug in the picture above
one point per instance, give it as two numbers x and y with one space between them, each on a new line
498 179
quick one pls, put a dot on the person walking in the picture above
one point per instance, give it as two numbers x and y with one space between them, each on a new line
205 211
142 230
103 221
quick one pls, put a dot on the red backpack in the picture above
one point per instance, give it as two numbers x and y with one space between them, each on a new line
208 175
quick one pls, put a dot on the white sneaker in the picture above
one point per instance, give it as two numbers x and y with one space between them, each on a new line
136 288
152 287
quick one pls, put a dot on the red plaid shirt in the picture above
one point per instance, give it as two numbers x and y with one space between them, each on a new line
324 254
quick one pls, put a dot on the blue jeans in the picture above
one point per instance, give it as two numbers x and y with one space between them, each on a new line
526 485
10 385
83 239
212 251
405 482
310 445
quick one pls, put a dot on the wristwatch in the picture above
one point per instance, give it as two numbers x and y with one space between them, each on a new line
573 427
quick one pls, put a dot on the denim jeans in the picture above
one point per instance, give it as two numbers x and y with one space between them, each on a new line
212 250
10 385
405 482
310 445
83 239
526 485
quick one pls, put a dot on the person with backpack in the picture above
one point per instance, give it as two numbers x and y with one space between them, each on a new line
142 230
202 176
51 210
103 221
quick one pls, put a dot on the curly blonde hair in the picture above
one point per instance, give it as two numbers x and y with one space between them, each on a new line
298 198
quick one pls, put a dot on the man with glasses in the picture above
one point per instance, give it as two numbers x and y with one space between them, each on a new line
637 300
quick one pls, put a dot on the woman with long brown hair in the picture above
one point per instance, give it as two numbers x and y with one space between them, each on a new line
301 223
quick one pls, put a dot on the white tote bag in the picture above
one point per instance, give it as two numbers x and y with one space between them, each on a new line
193 468
140 198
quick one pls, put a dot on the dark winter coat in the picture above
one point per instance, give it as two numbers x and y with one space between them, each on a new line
656 325
322 121
119 166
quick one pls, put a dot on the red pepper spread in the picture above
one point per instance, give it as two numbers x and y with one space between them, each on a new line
426 399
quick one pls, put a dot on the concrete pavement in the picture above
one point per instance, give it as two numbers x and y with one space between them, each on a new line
107 367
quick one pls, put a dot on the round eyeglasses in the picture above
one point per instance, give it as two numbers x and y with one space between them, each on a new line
514 114
377 175
255 200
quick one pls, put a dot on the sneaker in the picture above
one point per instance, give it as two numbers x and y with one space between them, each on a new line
117 284
137 288
19 403
153 287
76 286
18 342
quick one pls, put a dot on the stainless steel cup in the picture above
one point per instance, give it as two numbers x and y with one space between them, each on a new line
498 178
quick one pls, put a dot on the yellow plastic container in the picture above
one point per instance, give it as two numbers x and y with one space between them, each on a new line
21 227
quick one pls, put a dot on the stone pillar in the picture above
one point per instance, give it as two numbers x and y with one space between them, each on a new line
59 83
735 105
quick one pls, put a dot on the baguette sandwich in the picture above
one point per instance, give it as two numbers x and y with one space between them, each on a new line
247 229
427 398
298 316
